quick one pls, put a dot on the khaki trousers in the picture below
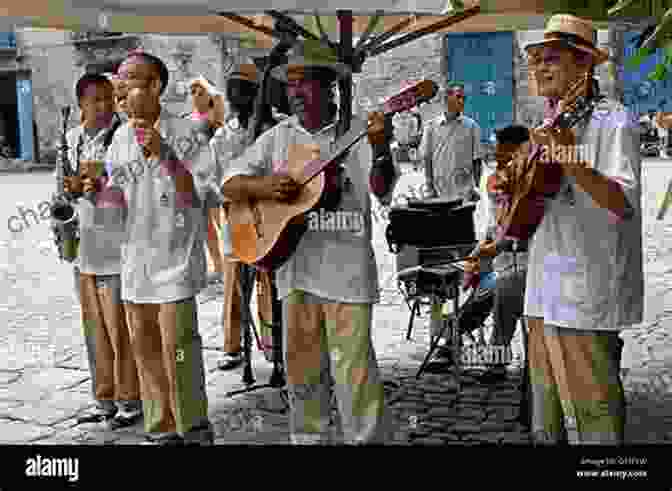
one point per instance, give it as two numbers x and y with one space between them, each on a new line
576 385
325 341
215 254
113 368
168 350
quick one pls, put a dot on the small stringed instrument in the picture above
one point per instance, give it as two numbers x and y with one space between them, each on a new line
531 177
265 233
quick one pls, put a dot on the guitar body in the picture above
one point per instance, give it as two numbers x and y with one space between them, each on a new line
526 211
529 180
266 233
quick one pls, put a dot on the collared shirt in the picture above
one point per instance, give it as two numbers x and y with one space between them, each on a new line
585 269
101 228
336 264
163 259
452 144
228 143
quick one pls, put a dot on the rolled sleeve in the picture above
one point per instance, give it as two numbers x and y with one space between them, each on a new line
478 148
425 147
256 160
623 164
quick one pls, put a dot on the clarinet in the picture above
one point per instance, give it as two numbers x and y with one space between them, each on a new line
64 216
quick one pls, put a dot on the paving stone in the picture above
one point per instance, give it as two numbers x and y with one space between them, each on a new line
441 411
54 379
6 405
472 414
434 399
481 438
17 432
23 392
9 377
66 437
67 399
40 414
506 413
496 427
472 400
446 436
501 401
464 427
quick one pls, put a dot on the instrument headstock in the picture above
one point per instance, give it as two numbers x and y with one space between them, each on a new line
419 93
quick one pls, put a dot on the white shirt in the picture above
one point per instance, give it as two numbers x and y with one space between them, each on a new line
228 143
100 227
586 271
337 265
452 146
166 200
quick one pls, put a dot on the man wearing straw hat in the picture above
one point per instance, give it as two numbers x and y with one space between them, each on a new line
585 274
229 142
329 285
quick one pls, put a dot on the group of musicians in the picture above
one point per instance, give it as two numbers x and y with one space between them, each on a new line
142 258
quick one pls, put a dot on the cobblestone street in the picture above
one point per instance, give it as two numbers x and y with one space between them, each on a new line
44 380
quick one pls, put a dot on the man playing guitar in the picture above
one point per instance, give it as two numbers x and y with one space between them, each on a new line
329 285
510 263
585 274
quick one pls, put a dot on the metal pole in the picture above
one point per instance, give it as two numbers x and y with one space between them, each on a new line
345 85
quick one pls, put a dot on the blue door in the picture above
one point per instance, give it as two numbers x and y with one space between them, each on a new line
24 103
640 94
484 63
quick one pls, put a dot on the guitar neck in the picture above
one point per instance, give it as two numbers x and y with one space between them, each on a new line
404 101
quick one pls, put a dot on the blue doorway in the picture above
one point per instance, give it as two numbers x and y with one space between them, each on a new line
24 104
483 61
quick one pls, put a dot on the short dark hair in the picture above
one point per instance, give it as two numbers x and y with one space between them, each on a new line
156 63
514 135
90 79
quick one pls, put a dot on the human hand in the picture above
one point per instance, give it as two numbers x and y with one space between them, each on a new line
147 137
72 184
278 187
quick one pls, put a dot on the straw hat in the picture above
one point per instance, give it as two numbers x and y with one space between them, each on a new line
311 54
573 32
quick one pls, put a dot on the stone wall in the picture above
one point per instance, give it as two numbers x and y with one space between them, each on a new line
56 64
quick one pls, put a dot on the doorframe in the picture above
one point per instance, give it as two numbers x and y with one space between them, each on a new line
26 73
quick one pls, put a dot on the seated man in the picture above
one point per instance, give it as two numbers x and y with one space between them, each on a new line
511 268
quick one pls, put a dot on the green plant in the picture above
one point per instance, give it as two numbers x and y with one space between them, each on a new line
654 37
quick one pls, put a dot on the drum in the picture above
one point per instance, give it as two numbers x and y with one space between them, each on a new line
431 223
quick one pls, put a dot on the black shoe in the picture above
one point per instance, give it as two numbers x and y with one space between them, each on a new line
167 439
96 417
494 374
443 361
230 361
124 419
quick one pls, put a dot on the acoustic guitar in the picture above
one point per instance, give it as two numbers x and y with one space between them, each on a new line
265 233
531 177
